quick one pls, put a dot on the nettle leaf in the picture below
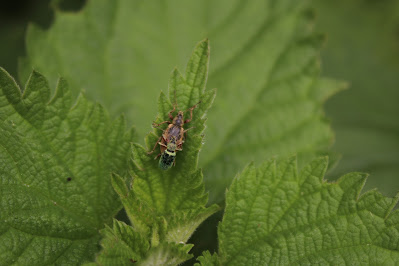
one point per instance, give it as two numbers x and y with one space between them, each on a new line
265 67
55 165
165 206
276 216
122 241
208 259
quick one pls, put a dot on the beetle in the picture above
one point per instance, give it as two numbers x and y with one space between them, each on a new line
172 136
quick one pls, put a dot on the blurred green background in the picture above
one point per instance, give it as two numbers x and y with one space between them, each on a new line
362 49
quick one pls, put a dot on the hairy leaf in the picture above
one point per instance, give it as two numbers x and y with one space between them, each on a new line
265 67
55 165
165 206
276 216
124 246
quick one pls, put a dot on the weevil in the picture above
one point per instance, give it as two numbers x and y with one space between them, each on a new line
175 132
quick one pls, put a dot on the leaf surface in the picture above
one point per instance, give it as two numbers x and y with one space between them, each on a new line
275 215
55 165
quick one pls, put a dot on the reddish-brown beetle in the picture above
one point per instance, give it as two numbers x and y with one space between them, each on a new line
172 138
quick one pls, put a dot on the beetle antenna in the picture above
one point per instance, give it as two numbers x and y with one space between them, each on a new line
194 106
175 98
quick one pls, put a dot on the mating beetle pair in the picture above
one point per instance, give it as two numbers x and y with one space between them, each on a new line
172 138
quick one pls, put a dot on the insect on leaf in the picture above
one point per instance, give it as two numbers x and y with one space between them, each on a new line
166 206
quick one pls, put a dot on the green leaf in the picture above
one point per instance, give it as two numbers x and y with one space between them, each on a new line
265 67
283 117
56 160
122 245
208 259
276 216
168 254
165 206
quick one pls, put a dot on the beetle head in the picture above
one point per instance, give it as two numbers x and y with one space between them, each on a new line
178 120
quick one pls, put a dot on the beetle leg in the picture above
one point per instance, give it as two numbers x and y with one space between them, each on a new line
172 111
184 133
174 108
187 129
156 143
191 113
157 125
179 146
156 157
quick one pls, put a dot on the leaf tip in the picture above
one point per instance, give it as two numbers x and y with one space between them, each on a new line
3 71
204 42
6 78
119 185
353 182
175 71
